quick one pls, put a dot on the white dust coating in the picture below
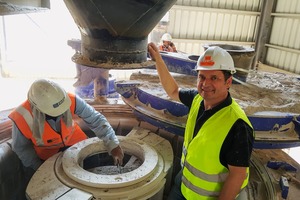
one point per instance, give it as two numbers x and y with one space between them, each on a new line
132 164
263 91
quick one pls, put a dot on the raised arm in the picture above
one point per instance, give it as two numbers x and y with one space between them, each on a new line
168 82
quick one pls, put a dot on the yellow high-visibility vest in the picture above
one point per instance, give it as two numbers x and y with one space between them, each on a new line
203 174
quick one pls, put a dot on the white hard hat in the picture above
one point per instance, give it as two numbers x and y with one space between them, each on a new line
49 97
215 58
166 37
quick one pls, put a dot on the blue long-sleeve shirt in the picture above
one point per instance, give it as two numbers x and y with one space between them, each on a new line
94 120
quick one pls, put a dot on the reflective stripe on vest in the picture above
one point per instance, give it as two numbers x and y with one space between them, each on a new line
27 116
221 177
184 152
203 174
199 190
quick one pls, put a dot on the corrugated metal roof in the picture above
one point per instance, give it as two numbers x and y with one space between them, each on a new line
193 23
283 48
224 22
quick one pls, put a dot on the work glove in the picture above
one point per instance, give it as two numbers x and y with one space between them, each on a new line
118 155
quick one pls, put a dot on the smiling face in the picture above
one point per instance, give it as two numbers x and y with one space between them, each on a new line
213 87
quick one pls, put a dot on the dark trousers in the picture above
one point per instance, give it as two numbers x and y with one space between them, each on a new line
175 193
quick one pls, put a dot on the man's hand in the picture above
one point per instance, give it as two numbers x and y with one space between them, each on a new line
153 51
118 155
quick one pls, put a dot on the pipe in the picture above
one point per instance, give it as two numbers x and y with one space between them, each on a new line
114 34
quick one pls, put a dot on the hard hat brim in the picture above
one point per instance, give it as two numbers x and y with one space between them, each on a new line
199 68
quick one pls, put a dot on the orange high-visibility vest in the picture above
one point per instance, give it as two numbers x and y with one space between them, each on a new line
52 141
